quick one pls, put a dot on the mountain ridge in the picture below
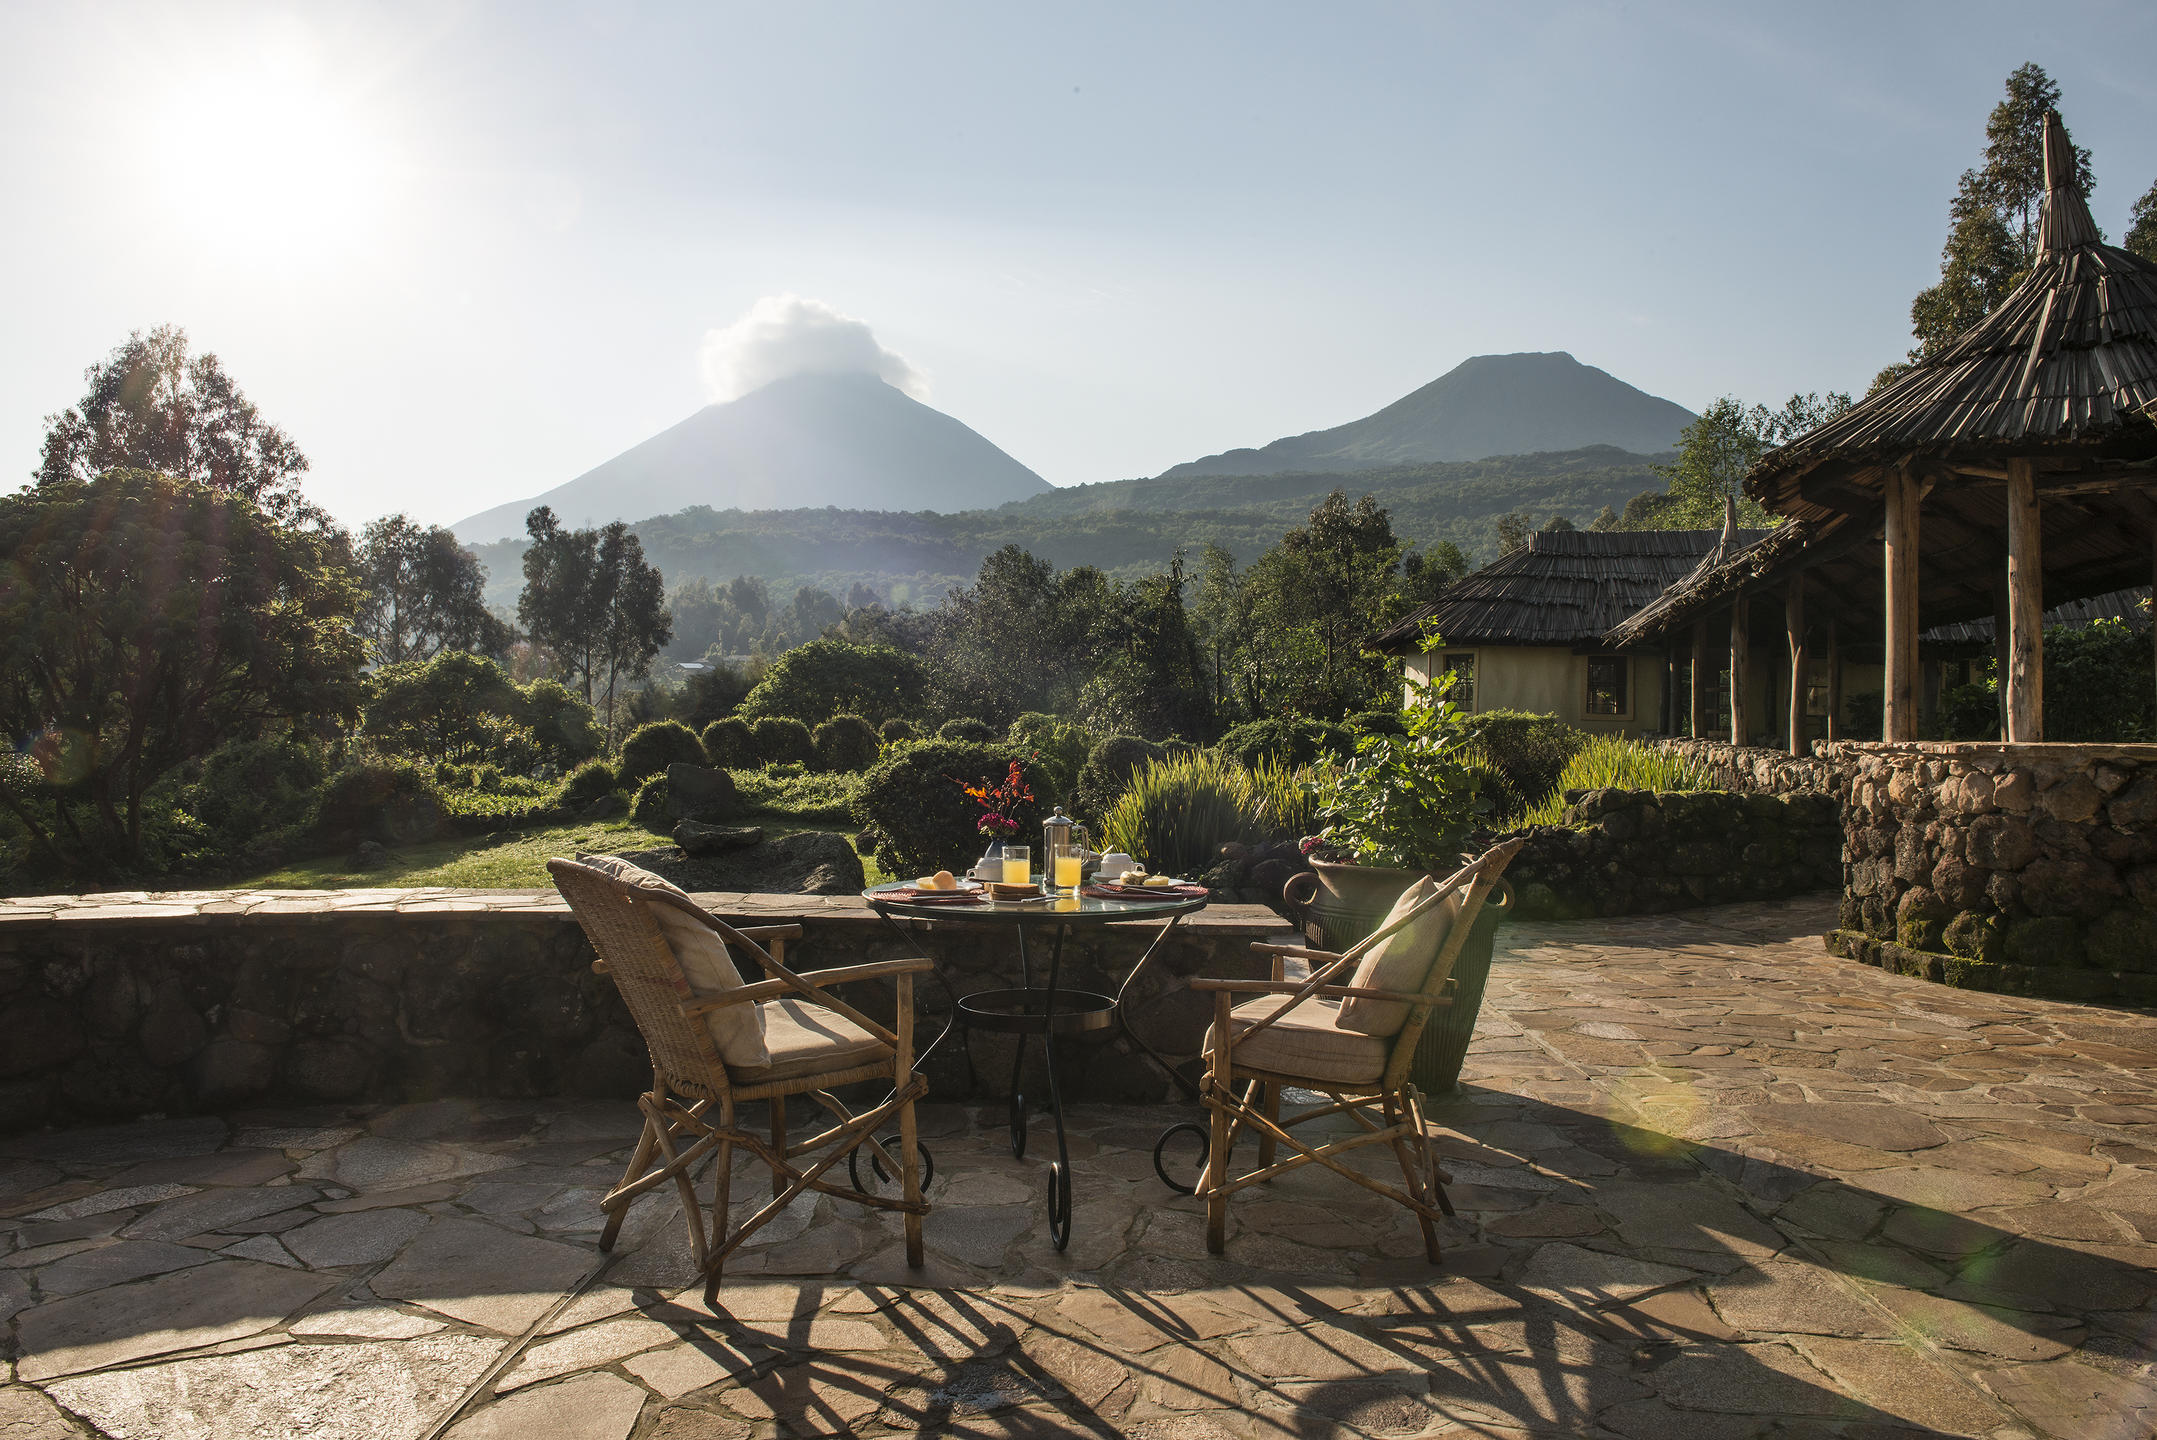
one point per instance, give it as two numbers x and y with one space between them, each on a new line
849 441
1524 403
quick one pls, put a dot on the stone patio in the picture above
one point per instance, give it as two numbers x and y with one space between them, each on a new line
1713 1183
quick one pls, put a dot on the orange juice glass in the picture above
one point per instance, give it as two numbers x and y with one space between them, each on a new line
1018 864
1068 866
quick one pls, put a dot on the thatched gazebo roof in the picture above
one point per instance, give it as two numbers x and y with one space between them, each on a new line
2064 370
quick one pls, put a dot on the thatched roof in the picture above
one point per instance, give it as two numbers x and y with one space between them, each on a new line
2065 368
1566 588
2131 606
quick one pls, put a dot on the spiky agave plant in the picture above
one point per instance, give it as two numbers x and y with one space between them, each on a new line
1180 811
1612 762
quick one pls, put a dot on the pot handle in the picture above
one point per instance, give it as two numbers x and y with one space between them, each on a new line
1288 891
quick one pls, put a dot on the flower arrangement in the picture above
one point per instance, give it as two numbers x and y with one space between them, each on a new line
997 800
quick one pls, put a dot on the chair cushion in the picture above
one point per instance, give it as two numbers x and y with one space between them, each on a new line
806 1039
1401 961
1309 1044
737 1031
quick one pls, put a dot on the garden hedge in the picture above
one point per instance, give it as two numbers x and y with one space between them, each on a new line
912 799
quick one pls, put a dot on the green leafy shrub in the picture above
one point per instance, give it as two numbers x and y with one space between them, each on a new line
1376 722
845 744
1529 751
562 725
784 790
898 732
730 744
1403 800
1108 771
1969 712
588 782
2098 683
650 749
966 732
378 798
1178 812
912 799
1612 762
1290 740
461 708
649 808
255 798
782 742
813 682
1281 801
1060 746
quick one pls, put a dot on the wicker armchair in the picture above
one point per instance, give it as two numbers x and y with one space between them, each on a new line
807 1040
1291 1033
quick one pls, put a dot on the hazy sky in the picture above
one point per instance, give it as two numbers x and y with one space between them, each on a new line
465 252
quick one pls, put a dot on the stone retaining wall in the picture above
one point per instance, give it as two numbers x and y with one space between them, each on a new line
127 1005
2023 868
1633 852
1756 770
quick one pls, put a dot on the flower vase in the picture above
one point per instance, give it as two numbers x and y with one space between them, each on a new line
991 864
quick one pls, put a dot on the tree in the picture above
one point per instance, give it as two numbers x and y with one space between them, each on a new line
146 619
593 603
1513 531
813 682
1425 574
1993 220
151 407
423 594
1716 451
457 707
2142 226
1605 519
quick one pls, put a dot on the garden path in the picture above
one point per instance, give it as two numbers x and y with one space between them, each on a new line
1713 1183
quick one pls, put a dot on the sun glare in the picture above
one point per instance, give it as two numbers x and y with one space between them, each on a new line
266 157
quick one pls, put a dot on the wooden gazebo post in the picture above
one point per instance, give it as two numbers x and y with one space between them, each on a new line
2025 678
1741 644
1794 631
1701 680
1834 678
1903 494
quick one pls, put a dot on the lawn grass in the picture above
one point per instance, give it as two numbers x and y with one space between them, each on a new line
512 860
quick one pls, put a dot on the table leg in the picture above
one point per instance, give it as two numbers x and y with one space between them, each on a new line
1060 1170
1015 1117
1123 1026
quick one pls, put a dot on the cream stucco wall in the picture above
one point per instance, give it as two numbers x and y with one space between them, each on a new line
1552 680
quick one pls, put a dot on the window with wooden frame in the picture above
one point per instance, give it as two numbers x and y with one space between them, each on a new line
1607 676
1459 665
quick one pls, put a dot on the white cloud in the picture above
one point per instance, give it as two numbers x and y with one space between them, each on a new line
783 335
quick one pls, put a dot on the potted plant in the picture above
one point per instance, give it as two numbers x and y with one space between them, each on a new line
1398 809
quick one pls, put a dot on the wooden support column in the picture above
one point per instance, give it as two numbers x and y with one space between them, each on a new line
1794 632
1999 649
1902 494
1741 644
1834 678
2025 681
1668 720
1703 680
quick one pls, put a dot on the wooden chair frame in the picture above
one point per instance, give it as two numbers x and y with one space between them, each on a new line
1399 1123
690 1111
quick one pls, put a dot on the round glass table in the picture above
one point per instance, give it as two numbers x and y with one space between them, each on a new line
1047 1010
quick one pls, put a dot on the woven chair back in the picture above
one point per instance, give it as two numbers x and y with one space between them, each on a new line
618 921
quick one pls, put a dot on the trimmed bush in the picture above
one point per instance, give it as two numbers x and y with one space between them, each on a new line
393 801
1528 750
1178 813
1289 740
1061 745
730 744
255 797
649 809
1108 770
845 744
912 799
587 783
650 749
898 732
782 742
966 732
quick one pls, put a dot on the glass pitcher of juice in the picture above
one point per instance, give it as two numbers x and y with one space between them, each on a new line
1068 861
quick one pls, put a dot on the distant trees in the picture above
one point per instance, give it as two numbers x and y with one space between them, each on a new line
150 406
2142 226
1993 219
144 620
1714 454
593 604
422 594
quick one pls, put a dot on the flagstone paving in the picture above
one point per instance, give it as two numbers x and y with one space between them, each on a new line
1713 1184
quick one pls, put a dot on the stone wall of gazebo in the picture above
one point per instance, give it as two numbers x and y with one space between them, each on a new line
2023 868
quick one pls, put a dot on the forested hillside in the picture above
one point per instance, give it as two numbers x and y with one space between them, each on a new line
1126 527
